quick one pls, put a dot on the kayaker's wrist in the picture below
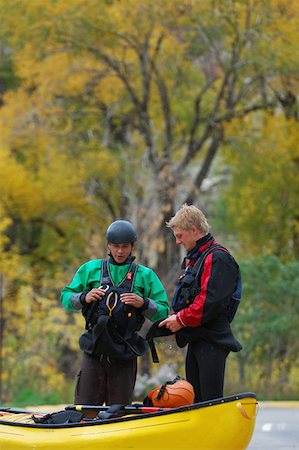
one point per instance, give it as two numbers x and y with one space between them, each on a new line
179 320
83 299
145 304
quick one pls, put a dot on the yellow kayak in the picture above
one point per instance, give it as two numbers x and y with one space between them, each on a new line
221 424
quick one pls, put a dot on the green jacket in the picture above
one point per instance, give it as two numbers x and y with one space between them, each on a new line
147 285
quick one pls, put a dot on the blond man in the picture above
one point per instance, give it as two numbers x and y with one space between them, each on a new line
201 303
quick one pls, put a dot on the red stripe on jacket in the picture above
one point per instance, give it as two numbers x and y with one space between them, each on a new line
192 316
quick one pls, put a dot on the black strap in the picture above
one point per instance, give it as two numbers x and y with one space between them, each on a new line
127 282
105 274
91 309
153 350
125 341
199 263
212 248
163 386
112 411
60 417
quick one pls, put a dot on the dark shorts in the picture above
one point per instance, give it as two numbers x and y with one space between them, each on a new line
101 380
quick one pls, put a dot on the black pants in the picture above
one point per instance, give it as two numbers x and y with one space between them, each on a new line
101 380
205 366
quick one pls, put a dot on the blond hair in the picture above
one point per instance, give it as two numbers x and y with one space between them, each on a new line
189 216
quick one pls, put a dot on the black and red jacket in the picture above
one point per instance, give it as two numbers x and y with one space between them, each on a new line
205 317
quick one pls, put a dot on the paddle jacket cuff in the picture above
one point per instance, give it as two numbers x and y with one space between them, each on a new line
145 304
179 320
78 300
149 308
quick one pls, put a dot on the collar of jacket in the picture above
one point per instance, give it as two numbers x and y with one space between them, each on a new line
129 260
201 245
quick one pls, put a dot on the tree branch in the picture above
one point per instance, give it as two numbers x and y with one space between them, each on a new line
243 112
141 109
191 149
204 169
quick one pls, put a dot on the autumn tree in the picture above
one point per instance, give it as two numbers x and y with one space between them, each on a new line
119 109
157 85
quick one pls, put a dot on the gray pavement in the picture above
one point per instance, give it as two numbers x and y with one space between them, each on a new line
277 427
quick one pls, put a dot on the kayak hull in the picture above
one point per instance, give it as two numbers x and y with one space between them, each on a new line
223 424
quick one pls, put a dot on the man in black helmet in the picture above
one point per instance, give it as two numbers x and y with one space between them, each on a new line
115 296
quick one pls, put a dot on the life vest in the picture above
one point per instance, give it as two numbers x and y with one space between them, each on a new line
111 324
188 285
126 318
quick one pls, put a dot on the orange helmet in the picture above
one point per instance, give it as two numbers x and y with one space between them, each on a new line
178 392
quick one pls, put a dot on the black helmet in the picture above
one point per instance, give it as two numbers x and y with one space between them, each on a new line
121 232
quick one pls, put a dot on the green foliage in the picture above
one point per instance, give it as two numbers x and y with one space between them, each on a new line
261 201
267 324
28 396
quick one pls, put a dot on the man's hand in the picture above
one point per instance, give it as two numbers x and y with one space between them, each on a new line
130 298
171 323
94 295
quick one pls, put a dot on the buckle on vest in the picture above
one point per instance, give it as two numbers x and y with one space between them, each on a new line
104 287
108 304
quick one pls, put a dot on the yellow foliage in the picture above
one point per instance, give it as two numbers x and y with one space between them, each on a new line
16 188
